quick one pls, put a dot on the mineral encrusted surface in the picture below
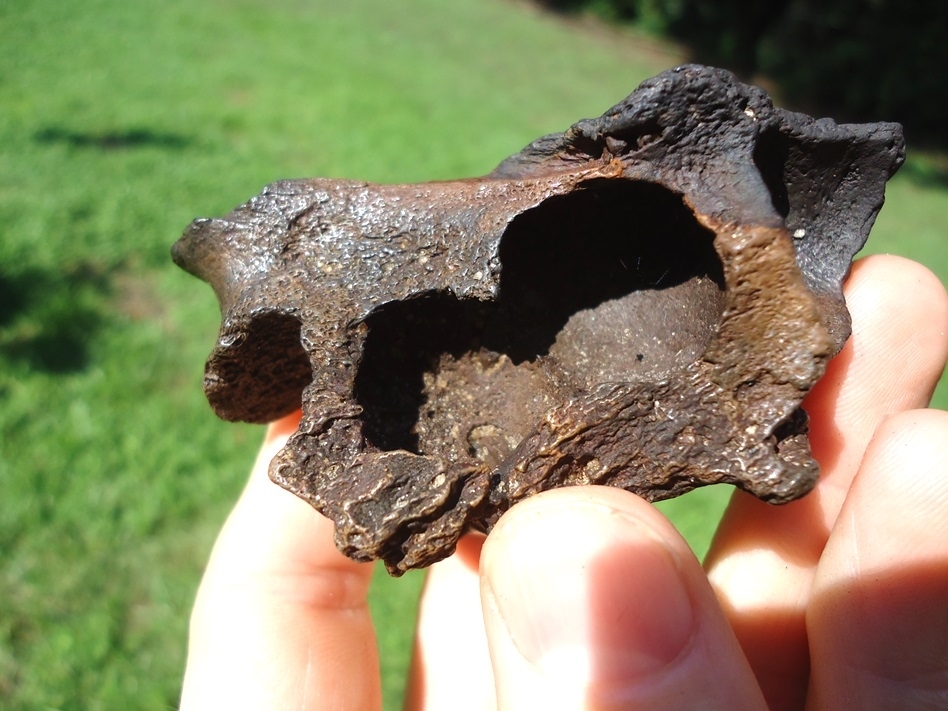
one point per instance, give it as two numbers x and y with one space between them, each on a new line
641 301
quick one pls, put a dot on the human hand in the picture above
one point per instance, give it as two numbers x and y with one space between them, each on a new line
588 598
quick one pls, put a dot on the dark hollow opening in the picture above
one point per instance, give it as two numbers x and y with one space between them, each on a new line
571 253
261 377
770 157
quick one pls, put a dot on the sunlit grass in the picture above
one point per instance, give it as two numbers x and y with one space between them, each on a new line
121 122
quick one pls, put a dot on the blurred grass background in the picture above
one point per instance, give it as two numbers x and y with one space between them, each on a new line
122 121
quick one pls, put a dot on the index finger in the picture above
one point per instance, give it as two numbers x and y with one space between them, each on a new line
281 618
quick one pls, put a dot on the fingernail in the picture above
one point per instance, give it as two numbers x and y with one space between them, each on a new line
589 590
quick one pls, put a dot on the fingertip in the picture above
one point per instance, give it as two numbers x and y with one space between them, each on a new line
898 274
896 508
917 434
579 600
590 595
877 621
900 307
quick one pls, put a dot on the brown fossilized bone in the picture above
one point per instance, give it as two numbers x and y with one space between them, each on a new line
641 301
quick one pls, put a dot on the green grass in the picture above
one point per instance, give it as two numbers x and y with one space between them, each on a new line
119 123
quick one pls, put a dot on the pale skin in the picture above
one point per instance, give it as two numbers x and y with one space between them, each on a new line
587 597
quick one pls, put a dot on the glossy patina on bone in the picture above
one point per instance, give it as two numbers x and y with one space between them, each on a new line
641 301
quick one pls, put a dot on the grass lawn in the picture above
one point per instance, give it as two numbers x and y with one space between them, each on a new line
119 123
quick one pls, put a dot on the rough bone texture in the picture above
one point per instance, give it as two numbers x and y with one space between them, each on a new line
641 301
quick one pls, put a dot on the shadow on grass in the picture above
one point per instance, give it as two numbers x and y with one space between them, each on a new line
48 319
113 140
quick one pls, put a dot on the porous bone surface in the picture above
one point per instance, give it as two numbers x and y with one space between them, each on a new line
641 301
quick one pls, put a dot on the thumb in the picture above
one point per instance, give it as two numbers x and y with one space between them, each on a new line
593 601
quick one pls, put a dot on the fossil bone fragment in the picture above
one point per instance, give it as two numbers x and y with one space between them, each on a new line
642 301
